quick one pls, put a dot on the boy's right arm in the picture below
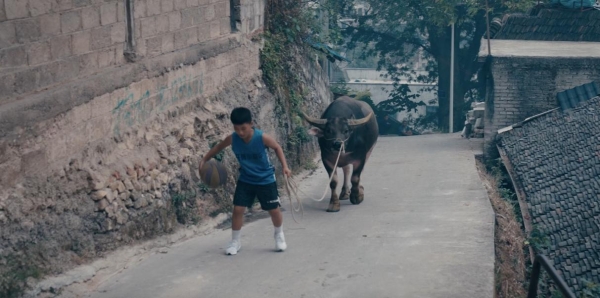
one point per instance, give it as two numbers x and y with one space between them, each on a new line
215 150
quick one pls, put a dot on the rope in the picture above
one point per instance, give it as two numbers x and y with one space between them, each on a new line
332 173
292 189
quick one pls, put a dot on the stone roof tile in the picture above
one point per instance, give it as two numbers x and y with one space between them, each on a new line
556 157
552 24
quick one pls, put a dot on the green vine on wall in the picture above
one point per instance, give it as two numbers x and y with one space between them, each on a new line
288 25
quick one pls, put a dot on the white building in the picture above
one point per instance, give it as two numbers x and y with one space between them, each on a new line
363 79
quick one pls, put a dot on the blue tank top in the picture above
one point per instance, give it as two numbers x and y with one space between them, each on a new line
255 166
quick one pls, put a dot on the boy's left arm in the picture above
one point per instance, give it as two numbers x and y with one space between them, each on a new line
271 143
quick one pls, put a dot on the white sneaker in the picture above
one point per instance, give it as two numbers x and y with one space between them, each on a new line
233 247
280 242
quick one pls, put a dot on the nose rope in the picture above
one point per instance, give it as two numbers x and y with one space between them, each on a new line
338 139
342 149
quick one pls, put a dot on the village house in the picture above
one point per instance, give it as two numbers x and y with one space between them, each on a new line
541 115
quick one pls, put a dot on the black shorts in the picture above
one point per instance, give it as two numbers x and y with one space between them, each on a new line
246 193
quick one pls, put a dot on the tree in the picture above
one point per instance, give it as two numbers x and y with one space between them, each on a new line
396 31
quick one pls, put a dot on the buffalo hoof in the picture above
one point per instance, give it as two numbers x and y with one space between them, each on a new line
345 195
333 207
357 197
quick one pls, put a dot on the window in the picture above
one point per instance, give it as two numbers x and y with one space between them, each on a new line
130 53
235 11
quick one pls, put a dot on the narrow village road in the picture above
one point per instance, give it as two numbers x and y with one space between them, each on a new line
425 229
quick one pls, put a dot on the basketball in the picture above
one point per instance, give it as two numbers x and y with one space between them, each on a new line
213 174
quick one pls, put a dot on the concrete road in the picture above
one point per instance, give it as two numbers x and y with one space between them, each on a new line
425 229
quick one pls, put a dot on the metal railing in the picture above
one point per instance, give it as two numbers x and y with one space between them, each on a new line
541 260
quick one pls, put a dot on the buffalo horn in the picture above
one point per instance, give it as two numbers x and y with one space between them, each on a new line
357 122
314 121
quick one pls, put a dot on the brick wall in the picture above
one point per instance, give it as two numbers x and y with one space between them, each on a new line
58 41
46 43
165 25
61 57
526 87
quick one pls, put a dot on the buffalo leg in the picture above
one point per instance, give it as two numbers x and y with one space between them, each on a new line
345 194
357 192
369 153
334 202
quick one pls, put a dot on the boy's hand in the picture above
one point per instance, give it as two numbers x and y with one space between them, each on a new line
214 151
287 172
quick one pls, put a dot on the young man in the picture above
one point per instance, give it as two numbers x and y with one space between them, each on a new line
257 175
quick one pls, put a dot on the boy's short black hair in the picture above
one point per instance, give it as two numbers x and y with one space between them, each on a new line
241 116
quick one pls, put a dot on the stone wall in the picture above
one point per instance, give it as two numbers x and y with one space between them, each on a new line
99 151
524 87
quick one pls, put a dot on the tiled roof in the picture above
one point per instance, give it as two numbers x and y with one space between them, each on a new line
556 23
571 98
556 159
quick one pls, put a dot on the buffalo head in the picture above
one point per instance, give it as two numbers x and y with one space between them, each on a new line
336 130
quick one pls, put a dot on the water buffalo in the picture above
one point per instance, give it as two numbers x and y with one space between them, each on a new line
351 123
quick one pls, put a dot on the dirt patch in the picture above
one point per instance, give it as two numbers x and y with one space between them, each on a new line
510 266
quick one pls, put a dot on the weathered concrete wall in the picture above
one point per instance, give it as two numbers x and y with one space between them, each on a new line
97 151
524 87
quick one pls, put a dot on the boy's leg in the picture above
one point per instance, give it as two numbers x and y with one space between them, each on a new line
243 197
276 217
237 219
269 201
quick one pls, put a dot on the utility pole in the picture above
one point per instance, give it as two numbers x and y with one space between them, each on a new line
451 127
487 24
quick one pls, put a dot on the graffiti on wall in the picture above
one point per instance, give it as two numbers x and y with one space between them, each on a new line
130 111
